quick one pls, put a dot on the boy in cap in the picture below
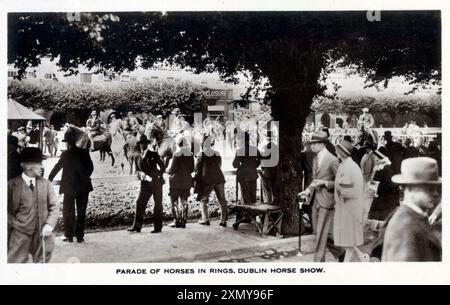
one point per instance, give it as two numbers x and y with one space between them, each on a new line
32 211
408 236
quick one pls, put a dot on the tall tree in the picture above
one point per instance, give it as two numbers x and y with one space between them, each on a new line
295 51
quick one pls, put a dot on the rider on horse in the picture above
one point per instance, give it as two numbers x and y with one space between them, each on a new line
131 123
93 126
365 121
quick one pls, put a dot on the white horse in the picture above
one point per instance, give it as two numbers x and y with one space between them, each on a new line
117 144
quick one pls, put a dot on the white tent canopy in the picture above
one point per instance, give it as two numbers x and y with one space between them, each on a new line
17 111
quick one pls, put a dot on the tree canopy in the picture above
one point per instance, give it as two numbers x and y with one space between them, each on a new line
294 51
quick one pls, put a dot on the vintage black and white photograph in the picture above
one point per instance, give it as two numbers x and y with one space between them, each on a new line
223 136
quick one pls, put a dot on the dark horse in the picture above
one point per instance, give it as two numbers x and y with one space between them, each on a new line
102 142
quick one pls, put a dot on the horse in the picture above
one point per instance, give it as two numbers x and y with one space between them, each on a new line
102 142
368 136
117 144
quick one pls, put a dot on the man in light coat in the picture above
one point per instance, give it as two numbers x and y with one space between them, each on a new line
32 212
321 194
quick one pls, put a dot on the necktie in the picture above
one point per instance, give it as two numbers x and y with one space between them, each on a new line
316 166
31 185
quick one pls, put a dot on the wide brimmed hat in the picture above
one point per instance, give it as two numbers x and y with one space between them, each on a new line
31 154
143 140
365 109
319 137
346 147
422 170
94 112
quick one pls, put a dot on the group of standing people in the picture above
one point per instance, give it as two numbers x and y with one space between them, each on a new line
185 172
353 185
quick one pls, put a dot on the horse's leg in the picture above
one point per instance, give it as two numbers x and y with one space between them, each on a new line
131 161
113 160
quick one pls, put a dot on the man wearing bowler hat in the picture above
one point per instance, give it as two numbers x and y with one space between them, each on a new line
150 169
409 237
321 194
76 184
32 211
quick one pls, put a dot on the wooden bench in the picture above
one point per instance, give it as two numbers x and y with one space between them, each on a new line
265 216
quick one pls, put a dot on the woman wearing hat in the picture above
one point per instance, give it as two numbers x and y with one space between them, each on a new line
409 236
348 230
383 190
180 169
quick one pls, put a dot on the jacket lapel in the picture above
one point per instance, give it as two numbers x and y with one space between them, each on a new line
324 163
41 191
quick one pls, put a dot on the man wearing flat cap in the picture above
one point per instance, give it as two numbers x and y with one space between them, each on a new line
32 212
409 236
321 193
365 120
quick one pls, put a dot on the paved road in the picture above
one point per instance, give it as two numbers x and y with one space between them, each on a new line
196 243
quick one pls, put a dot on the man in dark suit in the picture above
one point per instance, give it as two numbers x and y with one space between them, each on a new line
409 236
14 168
150 169
32 212
394 151
321 194
76 184
209 175
246 161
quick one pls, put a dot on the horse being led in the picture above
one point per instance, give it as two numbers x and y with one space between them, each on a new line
102 143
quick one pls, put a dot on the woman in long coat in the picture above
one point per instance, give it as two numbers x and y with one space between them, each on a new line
180 169
348 229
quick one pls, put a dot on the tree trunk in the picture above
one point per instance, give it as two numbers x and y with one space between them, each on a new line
294 88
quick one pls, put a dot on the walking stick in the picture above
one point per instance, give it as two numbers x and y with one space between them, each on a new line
43 249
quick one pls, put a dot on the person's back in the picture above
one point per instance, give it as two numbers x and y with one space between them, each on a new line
396 153
77 168
246 162
211 171
180 170
409 238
